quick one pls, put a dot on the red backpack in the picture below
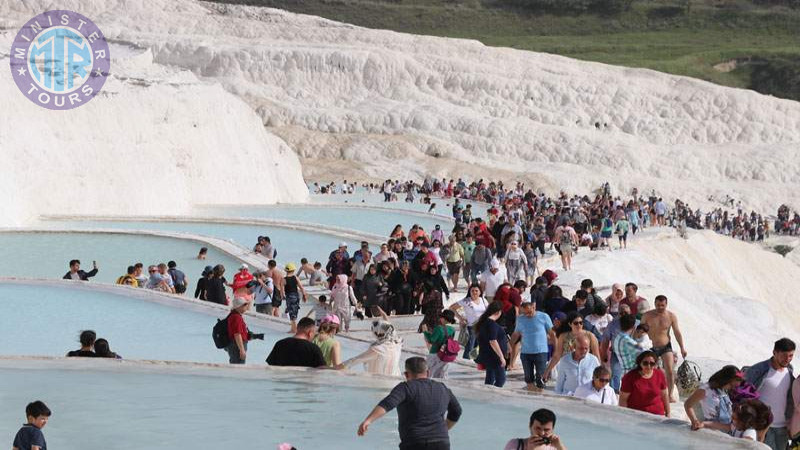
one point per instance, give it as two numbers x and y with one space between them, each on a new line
448 352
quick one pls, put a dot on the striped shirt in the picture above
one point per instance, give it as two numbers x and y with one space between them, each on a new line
626 350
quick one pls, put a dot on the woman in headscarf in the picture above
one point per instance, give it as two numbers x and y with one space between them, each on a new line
383 356
343 299
516 263
374 289
613 300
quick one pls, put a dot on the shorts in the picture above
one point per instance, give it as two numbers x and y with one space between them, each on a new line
276 299
605 234
566 249
292 305
264 308
659 351
453 267
623 236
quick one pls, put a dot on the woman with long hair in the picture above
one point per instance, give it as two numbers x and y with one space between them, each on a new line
714 401
493 345
397 232
644 388
431 302
472 307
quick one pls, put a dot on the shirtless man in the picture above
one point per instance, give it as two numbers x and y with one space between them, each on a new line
279 283
660 321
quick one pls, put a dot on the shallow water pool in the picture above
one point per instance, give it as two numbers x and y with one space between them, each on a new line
106 405
360 219
47 255
291 244
46 320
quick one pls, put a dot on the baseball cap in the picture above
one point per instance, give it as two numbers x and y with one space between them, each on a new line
331 318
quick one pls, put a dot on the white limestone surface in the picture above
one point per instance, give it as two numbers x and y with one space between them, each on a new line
733 299
376 103
157 140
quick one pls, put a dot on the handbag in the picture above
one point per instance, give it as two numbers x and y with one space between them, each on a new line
463 336
448 352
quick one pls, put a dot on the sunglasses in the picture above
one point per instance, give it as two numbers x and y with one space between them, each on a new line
604 380
152 271
648 363
578 322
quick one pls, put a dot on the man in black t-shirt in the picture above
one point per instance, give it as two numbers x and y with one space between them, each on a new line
298 351
421 407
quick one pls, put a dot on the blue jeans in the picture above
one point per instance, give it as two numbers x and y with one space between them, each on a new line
534 364
495 376
616 373
777 438
470 343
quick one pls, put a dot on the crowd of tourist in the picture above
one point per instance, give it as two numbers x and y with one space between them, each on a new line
613 349
729 219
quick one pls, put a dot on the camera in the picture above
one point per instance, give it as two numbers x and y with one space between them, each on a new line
545 440
251 335
251 284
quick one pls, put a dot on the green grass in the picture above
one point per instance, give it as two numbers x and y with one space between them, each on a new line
653 34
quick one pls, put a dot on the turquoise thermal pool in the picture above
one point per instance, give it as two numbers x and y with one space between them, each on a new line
47 255
131 407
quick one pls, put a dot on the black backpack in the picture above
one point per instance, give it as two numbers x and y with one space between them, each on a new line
220 333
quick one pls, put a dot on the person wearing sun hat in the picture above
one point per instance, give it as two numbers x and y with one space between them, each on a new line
293 290
241 281
326 340
238 333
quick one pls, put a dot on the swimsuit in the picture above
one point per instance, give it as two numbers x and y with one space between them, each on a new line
659 351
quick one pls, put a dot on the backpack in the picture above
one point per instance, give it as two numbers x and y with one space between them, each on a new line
220 333
689 376
566 237
448 352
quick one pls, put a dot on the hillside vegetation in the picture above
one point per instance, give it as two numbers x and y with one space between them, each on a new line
740 43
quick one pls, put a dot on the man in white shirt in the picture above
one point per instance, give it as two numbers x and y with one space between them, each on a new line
492 279
598 390
773 378
577 368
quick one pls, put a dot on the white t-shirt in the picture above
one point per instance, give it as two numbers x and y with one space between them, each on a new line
493 281
606 396
748 433
472 311
773 392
